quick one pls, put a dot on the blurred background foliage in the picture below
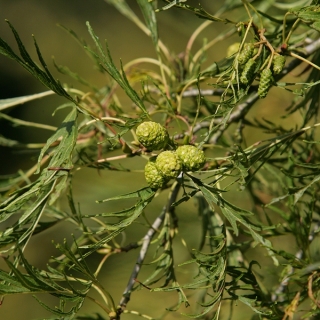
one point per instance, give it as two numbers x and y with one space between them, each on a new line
126 42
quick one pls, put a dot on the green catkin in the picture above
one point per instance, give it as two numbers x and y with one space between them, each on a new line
246 53
247 74
278 64
266 80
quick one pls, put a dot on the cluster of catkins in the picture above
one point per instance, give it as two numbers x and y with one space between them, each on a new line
168 164
249 66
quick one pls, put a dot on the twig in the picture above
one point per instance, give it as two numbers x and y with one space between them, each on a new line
27 123
142 254
304 60
145 245
235 115
299 255
284 283
245 106
193 92
241 110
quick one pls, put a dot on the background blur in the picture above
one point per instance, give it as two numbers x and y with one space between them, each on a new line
126 41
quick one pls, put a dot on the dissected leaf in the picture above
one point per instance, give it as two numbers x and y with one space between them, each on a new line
150 19
66 136
278 176
120 77
26 62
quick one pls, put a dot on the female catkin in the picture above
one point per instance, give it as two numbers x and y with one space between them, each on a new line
266 80
246 53
247 74
278 64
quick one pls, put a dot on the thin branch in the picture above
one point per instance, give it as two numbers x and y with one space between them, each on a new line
299 255
245 106
27 123
239 113
11 102
146 242
202 92
193 92
143 251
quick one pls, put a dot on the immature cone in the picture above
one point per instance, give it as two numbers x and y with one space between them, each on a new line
169 164
266 80
152 135
191 157
246 53
153 176
278 64
248 72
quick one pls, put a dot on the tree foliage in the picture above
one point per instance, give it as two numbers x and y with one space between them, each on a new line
205 103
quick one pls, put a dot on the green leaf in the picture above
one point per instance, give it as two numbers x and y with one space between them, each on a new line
150 19
234 215
78 264
143 193
30 216
32 281
289 5
33 198
83 45
300 193
310 15
20 231
65 70
107 64
146 195
66 315
67 134
10 284
275 200
97 245
123 8
11 102
40 281
250 303
266 244
231 212
26 62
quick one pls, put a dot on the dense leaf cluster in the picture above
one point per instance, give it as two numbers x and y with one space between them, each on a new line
203 103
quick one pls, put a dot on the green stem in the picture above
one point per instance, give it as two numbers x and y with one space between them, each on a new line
304 60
